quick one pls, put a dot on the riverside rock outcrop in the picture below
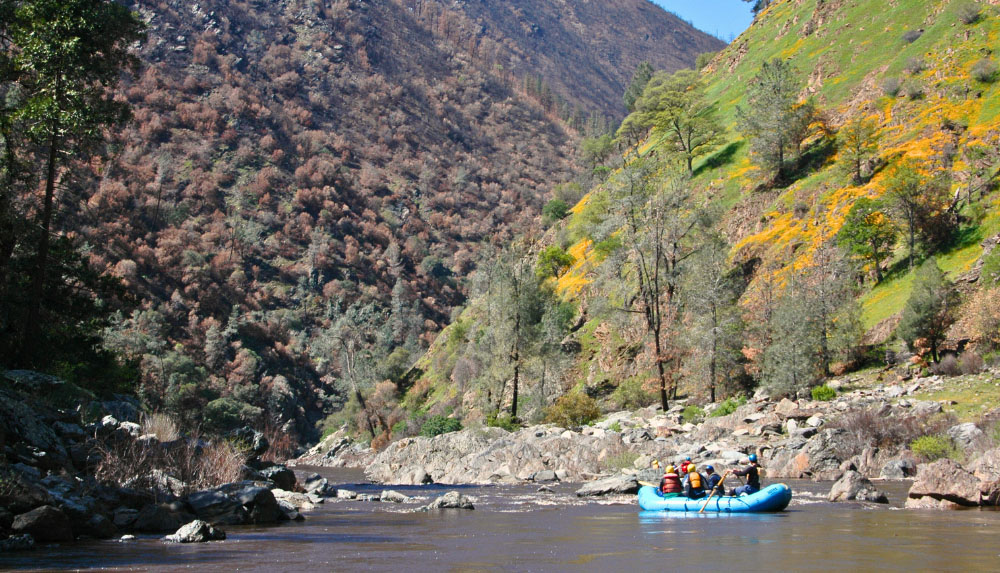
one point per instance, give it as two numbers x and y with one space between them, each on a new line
855 487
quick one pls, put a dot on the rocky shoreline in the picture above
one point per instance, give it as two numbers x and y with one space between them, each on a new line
803 439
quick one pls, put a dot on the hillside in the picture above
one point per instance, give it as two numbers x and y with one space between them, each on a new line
304 185
755 283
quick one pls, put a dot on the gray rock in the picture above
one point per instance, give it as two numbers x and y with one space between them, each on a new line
69 431
218 508
125 538
346 494
319 485
158 518
280 476
196 532
100 527
967 436
854 486
608 486
450 500
544 476
393 496
944 480
545 489
291 512
124 517
133 429
250 441
897 469
22 542
45 524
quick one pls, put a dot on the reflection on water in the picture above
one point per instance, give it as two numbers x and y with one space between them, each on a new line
517 529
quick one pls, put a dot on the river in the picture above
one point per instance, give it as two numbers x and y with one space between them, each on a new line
515 528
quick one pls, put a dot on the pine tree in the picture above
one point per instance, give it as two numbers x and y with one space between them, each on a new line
930 310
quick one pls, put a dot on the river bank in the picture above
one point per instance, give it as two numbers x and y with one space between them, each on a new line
866 430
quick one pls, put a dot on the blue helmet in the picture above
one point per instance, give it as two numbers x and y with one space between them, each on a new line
753 457
709 468
687 459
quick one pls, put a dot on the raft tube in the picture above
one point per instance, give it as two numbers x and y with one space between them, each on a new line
774 497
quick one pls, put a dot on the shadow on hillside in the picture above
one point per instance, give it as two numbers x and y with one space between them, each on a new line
813 159
721 158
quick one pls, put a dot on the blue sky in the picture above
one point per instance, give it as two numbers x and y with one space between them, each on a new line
722 18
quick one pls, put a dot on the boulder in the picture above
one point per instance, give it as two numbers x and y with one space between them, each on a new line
45 524
280 476
854 486
159 518
944 480
100 527
22 542
250 441
901 468
318 485
291 512
786 406
196 532
544 476
346 494
124 517
217 507
450 500
967 436
393 496
299 501
612 485
987 469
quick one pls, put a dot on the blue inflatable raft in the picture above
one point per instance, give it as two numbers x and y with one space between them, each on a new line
774 497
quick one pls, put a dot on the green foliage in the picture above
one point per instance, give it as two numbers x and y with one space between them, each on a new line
552 262
594 151
969 12
859 144
555 210
692 414
990 273
229 413
728 406
675 107
932 448
437 425
616 427
505 421
823 393
921 204
891 86
930 310
704 59
985 70
573 409
641 76
631 394
773 120
868 233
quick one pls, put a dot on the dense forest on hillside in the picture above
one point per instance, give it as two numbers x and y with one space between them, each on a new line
293 208
804 206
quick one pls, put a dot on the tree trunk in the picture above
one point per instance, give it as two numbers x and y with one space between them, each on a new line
715 346
32 325
663 375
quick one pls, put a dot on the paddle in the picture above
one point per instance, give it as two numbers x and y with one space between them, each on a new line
650 484
715 489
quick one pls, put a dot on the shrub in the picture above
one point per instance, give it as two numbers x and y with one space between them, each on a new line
969 12
985 70
866 428
947 367
630 394
552 262
911 36
504 421
932 448
914 65
971 363
281 445
704 59
913 89
616 427
728 406
692 414
227 413
823 393
891 86
437 425
621 460
555 210
574 409
160 425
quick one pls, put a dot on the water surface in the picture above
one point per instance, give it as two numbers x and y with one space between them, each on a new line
514 528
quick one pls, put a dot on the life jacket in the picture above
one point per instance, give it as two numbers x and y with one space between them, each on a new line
684 466
695 480
671 484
